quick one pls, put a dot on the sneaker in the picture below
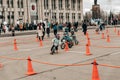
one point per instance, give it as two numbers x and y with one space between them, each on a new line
51 53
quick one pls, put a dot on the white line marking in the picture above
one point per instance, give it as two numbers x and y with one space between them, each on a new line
115 53
76 52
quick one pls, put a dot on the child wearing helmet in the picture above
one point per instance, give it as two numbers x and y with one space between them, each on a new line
55 43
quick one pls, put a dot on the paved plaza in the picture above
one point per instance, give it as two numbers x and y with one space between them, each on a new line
71 65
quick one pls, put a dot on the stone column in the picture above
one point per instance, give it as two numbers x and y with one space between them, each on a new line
70 12
5 10
64 12
16 17
81 9
28 10
25 11
76 11
41 9
57 11
38 9
50 10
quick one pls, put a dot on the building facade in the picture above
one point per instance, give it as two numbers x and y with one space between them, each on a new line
36 10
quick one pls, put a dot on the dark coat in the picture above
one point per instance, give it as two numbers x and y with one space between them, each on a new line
84 27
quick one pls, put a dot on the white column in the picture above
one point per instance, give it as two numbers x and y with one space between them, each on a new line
38 8
28 9
76 5
25 11
81 9
64 12
16 17
5 9
76 11
70 12
50 10
57 11
41 9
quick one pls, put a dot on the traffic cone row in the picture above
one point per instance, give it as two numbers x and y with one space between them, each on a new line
15 45
95 73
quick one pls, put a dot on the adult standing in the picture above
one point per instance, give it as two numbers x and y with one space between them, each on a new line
55 29
40 31
48 29
43 30
13 30
84 27
18 26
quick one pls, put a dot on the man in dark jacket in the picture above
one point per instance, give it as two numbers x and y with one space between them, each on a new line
84 27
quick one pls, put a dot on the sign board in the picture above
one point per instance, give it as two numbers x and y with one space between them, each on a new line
33 9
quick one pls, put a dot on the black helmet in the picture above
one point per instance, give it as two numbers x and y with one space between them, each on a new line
57 36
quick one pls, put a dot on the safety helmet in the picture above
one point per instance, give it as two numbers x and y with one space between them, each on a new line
57 36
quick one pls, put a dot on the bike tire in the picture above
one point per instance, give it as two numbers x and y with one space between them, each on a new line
62 46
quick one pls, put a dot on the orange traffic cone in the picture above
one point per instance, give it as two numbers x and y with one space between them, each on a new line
87 50
30 69
118 33
103 36
15 45
1 65
107 31
37 39
89 43
41 43
115 29
87 35
66 47
108 38
95 74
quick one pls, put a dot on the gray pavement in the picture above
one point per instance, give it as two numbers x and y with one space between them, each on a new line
15 62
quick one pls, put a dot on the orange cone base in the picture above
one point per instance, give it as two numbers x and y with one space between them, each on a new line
88 54
66 50
31 73
1 65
